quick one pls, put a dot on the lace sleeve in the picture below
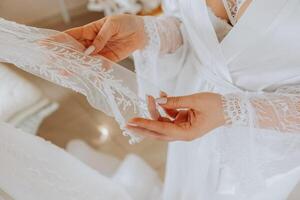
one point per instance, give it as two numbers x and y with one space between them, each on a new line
278 111
165 45
164 35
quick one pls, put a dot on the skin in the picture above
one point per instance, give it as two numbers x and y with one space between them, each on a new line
187 117
114 37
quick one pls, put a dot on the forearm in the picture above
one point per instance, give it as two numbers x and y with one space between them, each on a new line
277 111
163 34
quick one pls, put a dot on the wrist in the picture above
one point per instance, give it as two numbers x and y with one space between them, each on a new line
220 115
143 37
149 34
212 105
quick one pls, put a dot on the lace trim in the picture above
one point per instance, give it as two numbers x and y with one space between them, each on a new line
232 8
57 57
164 35
235 110
292 90
152 48
279 111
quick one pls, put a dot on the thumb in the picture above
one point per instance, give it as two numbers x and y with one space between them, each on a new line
102 37
177 102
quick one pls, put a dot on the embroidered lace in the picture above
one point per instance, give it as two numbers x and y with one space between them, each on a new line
232 8
56 57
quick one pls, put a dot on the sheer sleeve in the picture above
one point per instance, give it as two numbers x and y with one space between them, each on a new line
164 56
163 33
278 111
164 37
260 140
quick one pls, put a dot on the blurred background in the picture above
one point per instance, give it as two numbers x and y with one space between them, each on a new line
58 114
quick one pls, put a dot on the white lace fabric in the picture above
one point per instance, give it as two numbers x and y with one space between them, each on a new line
266 140
260 138
164 34
57 57
232 8
278 111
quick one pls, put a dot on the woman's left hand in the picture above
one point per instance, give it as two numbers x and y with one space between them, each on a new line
189 117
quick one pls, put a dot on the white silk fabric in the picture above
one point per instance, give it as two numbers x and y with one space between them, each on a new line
258 56
59 58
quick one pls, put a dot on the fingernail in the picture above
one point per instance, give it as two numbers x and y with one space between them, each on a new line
161 100
163 94
89 50
132 124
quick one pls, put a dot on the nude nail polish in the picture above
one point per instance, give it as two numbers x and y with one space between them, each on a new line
89 50
132 124
161 100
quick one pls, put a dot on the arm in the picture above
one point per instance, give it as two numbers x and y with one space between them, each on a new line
163 33
277 111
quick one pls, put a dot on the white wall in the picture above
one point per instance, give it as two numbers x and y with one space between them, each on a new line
30 11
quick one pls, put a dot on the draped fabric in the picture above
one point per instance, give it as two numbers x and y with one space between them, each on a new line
59 58
252 155
256 68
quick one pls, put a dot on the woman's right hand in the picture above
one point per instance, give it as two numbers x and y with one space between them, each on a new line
114 37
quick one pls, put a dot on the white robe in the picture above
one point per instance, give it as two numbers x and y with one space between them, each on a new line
233 162
260 54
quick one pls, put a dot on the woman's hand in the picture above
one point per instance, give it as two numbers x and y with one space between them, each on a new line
189 117
114 37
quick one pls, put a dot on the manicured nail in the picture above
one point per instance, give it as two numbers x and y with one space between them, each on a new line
161 100
89 50
163 94
132 124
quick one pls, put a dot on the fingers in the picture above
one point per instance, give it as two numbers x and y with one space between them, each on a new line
161 127
148 133
110 55
94 35
152 108
171 112
76 33
181 117
180 102
103 36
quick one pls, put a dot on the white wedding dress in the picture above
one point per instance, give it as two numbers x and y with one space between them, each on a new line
254 64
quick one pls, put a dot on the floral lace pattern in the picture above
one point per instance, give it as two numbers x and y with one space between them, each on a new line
232 8
235 109
164 35
278 111
152 48
57 57
263 135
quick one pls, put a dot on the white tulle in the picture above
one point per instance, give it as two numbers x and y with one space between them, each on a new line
56 57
